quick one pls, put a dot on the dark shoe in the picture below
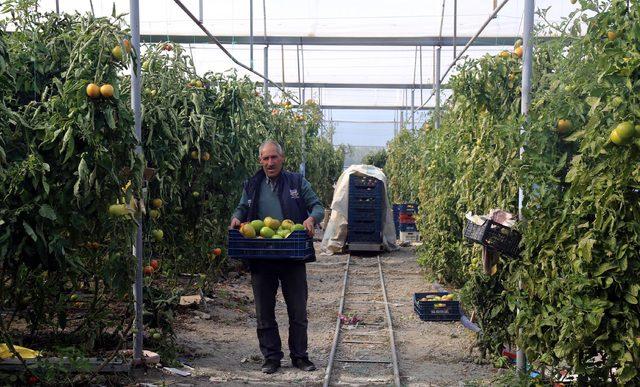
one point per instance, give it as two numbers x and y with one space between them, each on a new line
270 366
304 364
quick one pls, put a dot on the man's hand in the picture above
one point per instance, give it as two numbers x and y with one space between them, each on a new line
309 225
235 223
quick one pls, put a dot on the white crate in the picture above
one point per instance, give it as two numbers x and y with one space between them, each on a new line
409 236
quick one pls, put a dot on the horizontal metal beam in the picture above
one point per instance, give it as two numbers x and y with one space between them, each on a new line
371 107
339 41
329 85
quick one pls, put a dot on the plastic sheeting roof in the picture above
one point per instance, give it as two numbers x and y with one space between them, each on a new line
335 64
323 17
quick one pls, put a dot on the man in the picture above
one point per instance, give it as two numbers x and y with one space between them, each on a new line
282 195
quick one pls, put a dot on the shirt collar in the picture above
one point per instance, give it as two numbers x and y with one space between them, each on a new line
272 183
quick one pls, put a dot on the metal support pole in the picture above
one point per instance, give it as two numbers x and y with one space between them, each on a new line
527 67
284 82
265 88
304 89
200 11
58 7
433 70
437 123
455 26
413 109
298 68
302 160
251 34
134 18
421 75
266 49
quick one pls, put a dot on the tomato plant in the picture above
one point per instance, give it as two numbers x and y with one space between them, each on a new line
66 159
580 262
579 297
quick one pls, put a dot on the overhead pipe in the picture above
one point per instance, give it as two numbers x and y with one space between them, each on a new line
217 43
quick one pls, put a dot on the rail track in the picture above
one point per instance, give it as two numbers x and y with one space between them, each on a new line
363 350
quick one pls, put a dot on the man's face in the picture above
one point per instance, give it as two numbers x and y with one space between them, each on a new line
271 160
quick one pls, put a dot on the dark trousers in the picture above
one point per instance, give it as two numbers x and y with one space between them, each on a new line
265 278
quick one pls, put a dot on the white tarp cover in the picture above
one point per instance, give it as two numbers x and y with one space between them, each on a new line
335 234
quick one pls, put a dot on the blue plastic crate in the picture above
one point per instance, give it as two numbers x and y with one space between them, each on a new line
365 215
408 227
297 247
369 220
363 181
366 194
364 227
366 219
365 199
374 193
361 206
432 311
373 218
364 236
408 208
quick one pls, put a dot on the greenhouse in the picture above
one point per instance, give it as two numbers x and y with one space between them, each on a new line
320 193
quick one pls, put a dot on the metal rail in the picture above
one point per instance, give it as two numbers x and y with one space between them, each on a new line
334 346
394 355
389 325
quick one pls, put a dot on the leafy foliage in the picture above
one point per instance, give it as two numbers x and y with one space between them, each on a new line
578 304
72 180
377 158
581 245
63 160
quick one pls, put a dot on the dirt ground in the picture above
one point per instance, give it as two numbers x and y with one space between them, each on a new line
221 345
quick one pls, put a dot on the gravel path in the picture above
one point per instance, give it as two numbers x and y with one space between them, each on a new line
223 349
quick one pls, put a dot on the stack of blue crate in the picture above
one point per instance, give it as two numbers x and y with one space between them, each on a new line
406 212
366 201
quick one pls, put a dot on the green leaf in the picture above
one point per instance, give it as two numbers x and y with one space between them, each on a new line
29 231
631 299
571 175
46 211
593 102
584 248
108 115
626 373
604 268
